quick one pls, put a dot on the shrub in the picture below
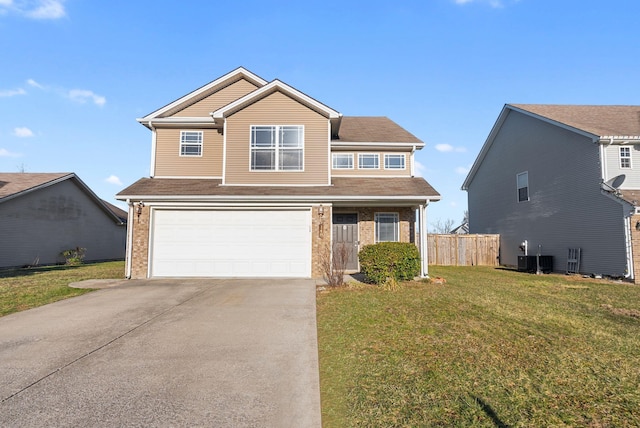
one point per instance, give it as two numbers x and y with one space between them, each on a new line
398 261
73 256
334 263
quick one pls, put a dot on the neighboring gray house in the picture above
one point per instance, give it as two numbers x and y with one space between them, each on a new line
561 176
43 214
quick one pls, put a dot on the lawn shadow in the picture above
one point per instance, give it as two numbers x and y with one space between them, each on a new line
16 273
490 412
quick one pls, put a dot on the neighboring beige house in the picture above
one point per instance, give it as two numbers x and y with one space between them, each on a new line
43 214
251 178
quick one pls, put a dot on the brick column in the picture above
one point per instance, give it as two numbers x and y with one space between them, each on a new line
140 244
320 237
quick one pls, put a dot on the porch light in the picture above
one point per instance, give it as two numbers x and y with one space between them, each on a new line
139 207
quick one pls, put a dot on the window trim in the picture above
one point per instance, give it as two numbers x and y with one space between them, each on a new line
184 144
626 157
373 155
387 156
334 165
522 174
376 221
277 147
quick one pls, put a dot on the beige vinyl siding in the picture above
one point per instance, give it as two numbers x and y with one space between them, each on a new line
218 99
355 172
169 163
277 109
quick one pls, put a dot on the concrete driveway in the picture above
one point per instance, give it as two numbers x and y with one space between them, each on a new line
218 353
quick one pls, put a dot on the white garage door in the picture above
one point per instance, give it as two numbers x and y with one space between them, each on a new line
247 243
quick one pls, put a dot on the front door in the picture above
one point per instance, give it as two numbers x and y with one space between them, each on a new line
345 238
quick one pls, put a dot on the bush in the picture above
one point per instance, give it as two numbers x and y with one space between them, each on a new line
73 256
398 261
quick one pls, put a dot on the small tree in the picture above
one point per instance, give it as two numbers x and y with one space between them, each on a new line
334 263
442 226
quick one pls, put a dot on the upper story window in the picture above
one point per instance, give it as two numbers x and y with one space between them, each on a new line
368 161
522 180
387 227
277 148
625 157
393 161
190 143
342 161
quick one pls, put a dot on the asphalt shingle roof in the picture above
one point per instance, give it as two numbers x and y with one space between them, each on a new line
12 183
600 120
373 129
343 186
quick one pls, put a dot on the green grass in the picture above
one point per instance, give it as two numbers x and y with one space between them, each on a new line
22 289
491 347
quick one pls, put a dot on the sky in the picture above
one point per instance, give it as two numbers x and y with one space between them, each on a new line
75 74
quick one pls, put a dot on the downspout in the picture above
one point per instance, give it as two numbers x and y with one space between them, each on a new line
129 248
603 158
424 256
152 169
413 170
630 274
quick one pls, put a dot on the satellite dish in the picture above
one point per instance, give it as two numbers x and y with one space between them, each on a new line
616 181
612 184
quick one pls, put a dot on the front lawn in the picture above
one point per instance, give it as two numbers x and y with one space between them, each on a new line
491 347
22 289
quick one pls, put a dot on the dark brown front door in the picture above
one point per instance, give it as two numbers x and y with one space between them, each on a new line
345 235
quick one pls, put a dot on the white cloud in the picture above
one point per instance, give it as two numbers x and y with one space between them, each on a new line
419 168
34 9
35 84
462 170
8 154
82 95
47 9
22 132
113 179
12 92
449 148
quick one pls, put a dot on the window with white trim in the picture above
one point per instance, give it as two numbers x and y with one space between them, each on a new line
368 161
277 147
342 161
394 161
190 143
522 181
387 227
625 157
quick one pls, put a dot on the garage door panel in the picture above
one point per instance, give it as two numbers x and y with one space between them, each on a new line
231 243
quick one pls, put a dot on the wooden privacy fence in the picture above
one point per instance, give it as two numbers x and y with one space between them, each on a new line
463 250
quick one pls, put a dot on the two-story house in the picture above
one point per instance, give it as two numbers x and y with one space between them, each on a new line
550 178
251 178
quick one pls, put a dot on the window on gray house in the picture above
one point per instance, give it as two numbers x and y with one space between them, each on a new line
522 180
625 157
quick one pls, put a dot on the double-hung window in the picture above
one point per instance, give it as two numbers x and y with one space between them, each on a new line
368 161
277 148
522 181
387 227
190 143
393 161
625 157
342 161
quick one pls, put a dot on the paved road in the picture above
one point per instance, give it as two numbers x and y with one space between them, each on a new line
218 353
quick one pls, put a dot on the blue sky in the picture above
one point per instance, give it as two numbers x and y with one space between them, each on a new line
76 74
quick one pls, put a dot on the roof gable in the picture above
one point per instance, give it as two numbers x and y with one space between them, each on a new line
205 91
592 121
275 85
14 185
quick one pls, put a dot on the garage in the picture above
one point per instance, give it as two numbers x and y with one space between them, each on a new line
230 243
